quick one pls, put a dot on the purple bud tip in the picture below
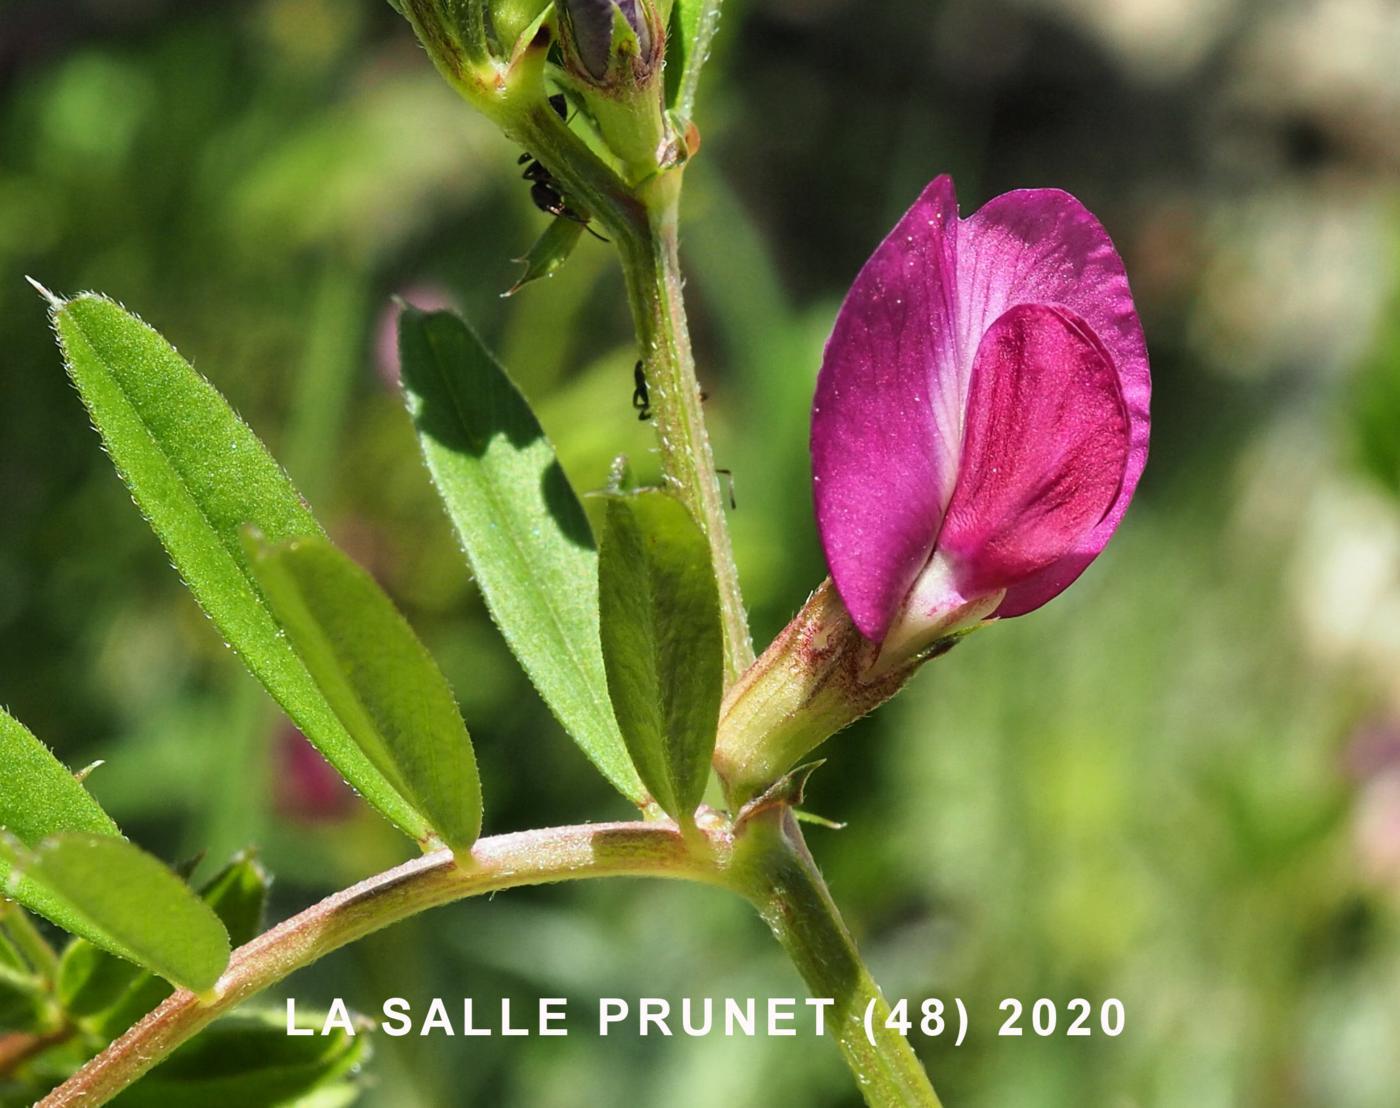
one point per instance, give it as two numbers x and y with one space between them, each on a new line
981 416
591 22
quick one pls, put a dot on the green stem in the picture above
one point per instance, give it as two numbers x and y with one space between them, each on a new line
651 267
502 862
642 221
776 872
644 226
590 183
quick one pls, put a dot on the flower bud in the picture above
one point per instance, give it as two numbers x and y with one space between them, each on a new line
614 50
611 43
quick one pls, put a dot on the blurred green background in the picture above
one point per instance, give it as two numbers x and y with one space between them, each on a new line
1178 785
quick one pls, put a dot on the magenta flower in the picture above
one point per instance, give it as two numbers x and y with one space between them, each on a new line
981 416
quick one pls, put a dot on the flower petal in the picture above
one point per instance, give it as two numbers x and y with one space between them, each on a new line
886 422
1045 449
1041 246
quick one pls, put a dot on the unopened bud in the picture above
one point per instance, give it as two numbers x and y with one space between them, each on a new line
614 50
612 43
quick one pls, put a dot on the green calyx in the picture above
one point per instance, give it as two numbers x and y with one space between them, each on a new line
498 58
482 46
818 677
614 52
454 34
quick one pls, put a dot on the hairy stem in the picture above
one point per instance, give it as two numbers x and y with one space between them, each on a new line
776 872
502 862
590 183
641 218
644 226
764 859
651 266
642 221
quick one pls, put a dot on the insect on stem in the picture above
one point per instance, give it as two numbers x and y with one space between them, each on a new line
641 398
545 192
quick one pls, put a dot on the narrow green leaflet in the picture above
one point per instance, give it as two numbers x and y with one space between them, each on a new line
520 523
10 956
238 895
24 946
199 474
123 900
90 980
249 1060
662 643
379 680
551 250
693 26
39 797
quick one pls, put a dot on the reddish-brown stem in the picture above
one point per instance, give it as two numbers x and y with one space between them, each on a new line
501 862
18 1047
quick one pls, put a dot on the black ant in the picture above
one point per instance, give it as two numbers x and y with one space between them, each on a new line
641 401
729 473
544 189
641 398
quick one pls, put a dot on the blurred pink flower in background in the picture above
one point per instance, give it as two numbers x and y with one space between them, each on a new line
306 788
428 298
1373 761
